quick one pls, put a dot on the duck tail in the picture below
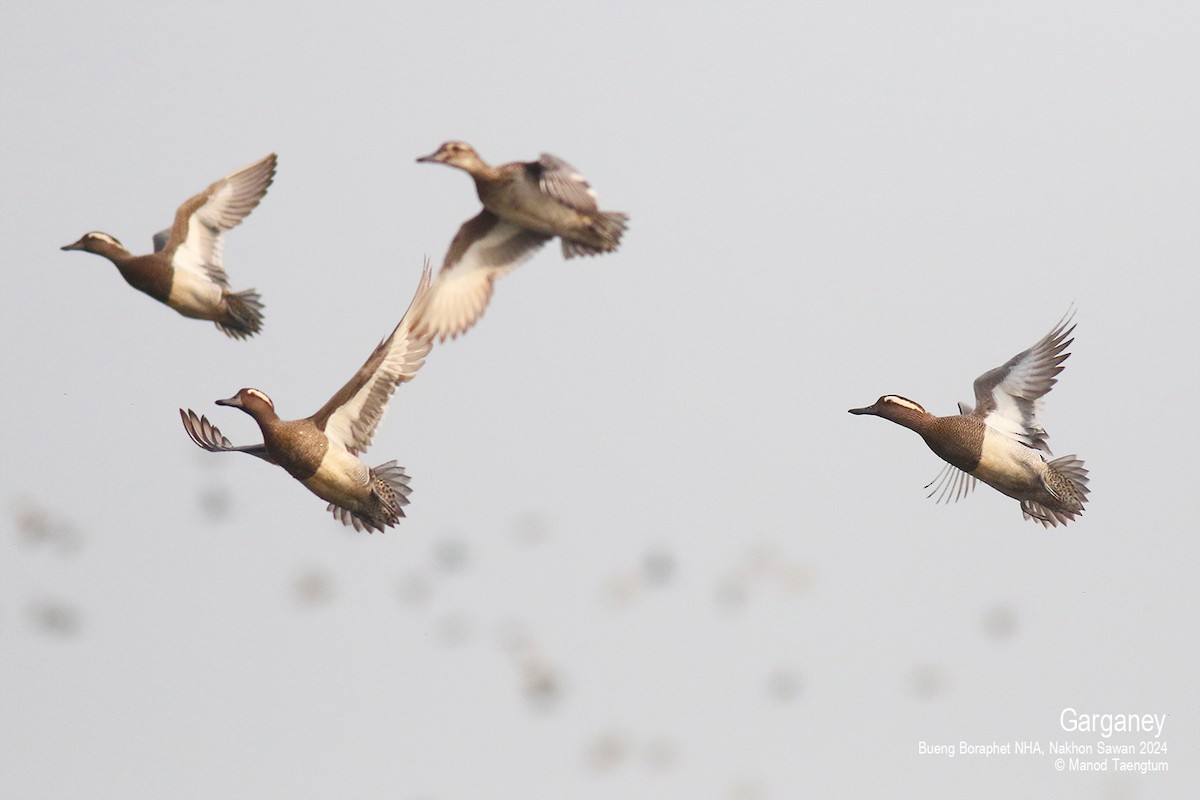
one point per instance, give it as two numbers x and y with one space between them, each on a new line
1067 479
390 490
243 314
1071 467
606 231
391 485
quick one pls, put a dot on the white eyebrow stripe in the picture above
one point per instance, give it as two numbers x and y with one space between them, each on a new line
261 396
900 401
104 237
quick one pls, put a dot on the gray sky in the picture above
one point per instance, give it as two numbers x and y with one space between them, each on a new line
829 202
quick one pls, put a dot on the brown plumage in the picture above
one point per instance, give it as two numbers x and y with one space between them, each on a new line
525 204
1000 440
321 451
185 270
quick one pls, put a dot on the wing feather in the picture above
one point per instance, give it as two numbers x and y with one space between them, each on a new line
1009 397
484 249
352 415
565 184
196 240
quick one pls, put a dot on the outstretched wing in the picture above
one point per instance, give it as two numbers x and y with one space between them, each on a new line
195 241
351 416
484 249
209 437
565 184
1008 397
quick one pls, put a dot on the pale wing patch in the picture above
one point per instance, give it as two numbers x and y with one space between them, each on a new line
484 249
1008 420
1009 397
225 204
199 255
396 360
459 298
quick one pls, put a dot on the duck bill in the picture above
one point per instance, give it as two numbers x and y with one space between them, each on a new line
429 159
867 410
76 246
235 402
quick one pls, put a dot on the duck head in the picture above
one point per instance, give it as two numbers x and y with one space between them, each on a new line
454 154
96 242
254 402
893 407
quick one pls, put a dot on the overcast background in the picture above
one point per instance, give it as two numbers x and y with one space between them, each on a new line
649 554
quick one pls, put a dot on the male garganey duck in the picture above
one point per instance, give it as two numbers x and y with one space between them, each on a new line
321 451
525 204
185 271
1000 441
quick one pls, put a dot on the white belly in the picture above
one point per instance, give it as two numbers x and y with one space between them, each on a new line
1008 465
342 479
194 297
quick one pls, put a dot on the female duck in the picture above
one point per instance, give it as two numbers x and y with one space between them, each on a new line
525 204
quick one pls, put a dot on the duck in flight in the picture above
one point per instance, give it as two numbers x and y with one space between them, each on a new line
321 451
525 204
185 270
1000 440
